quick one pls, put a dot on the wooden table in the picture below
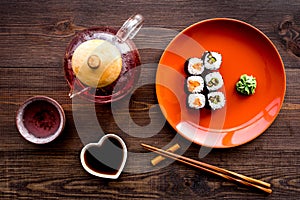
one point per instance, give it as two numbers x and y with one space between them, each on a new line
33 38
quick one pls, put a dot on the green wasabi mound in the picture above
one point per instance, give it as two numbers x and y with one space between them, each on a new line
246 85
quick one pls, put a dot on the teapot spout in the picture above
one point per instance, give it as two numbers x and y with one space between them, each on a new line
73 93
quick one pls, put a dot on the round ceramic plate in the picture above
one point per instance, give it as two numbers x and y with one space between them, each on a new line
245 50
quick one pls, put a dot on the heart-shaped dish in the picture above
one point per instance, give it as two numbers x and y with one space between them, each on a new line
105 159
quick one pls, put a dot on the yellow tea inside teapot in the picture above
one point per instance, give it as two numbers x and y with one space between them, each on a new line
97 63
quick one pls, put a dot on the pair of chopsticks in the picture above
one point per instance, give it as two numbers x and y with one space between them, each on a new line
229 175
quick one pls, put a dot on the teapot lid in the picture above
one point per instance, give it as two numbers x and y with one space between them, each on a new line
97 63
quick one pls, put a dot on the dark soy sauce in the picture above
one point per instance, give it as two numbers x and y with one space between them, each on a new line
105 159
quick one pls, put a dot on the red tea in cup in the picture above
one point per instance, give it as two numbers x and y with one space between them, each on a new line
40 119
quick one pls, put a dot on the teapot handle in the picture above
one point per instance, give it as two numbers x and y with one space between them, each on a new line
130 28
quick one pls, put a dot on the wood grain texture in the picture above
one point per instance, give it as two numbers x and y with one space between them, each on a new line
33 38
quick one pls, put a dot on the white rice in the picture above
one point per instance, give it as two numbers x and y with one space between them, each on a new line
192 63
217 85
220 103
194 99
198 88
215 65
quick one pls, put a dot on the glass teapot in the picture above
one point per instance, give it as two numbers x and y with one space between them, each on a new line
101 64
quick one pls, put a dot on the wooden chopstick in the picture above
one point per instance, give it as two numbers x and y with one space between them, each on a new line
251 182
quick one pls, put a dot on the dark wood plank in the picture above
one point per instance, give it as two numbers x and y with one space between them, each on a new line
33 38
47 33
272 143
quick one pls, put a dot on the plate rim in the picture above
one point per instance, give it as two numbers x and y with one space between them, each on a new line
273 47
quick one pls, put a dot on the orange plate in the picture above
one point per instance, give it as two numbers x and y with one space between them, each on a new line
245 50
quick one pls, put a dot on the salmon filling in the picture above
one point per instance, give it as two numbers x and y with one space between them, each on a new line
197 102
193 85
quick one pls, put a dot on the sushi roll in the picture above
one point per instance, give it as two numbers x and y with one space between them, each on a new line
214 81
216 100
196 101
212 60
194 66
194 84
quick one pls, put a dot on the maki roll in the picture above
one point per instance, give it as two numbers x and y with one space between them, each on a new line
194 66
196 101
194 84
214 81
212 60
216 100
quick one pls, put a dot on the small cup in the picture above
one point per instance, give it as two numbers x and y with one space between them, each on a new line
105 159
40 119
